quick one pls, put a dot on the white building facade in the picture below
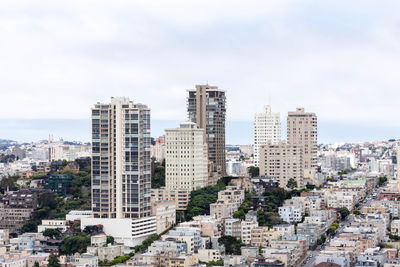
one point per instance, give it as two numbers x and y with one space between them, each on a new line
267 127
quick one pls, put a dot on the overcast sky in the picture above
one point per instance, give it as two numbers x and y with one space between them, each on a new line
339 59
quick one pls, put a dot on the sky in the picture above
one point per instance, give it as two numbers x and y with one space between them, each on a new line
339 59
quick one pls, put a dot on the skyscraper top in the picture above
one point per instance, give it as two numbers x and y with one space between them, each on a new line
207 86
300 111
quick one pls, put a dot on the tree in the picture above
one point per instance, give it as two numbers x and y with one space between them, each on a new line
310 186
323 238
344 212
231 244
216 263
8 183
73 244
158 179
292 184
36 264
253 171
52 233
29 227
356 212
110 240
382 180
53 261
180 216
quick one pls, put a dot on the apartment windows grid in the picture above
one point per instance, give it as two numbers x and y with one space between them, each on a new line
121 159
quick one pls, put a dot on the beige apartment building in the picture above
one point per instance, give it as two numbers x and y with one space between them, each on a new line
206 108
181 196
165 213
229 201
186 158
302 130
261 236
282 162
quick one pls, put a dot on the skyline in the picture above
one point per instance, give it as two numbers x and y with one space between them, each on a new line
77 54
238 132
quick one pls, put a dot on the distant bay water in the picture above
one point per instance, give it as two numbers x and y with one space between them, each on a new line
237 132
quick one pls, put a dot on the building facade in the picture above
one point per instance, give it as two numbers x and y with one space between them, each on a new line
302 130
206 108
186 158
267 128
121 169
282 162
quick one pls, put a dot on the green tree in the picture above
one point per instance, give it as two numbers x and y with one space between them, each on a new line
216 263
382 180
73 244
253 171
239 214
310 186
292 184
323 238
29 227
36 264
356 212
110 240
158 179
9 183
52 233
232 245
180 216
344 212
53 261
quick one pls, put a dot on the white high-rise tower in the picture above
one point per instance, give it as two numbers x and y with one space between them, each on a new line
267 128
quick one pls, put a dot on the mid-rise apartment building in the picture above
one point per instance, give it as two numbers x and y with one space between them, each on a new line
186 158
206 108
229 201
282 162
302 130
267 128
180 196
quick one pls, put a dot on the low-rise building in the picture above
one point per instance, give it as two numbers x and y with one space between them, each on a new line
207 255
232 227
290 214
180 196
395 227
53 224
165 213
191 236
108 252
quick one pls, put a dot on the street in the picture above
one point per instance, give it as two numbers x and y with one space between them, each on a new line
309 260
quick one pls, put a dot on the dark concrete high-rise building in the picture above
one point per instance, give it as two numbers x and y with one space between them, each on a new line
121 165
206 108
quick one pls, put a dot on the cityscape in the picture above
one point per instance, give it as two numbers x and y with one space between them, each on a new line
185 196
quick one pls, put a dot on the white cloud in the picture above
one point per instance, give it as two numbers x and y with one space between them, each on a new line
339 59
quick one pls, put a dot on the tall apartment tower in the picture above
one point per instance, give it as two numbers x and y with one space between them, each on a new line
186 158
206 108
267 128
121 169
282 162
302 129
